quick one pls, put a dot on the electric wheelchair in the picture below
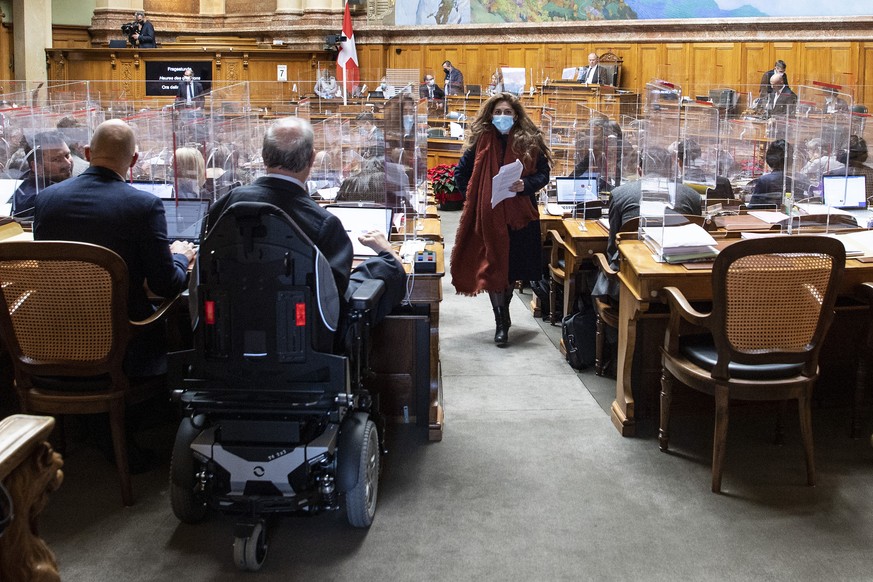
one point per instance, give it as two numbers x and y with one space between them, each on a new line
276 418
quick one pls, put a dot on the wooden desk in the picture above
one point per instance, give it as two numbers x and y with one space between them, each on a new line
396 344
426 228
641 282
592 239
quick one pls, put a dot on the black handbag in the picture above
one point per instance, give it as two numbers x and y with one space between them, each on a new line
579 332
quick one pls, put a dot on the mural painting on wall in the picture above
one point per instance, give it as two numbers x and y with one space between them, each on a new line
495 11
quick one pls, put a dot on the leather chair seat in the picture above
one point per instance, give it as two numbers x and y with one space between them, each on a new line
700 350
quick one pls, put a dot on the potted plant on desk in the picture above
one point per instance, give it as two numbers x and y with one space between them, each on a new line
445 192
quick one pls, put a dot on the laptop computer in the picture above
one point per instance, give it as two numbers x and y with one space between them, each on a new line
185 218
574 190
358 220
844 191
159 189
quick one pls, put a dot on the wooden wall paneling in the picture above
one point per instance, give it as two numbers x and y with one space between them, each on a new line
263 87
788 52
129 76
526 56
70 37
649 66
490 59
675 64
864 93
828 62
554 60
372 62
711 65
6 56
577 55
756 57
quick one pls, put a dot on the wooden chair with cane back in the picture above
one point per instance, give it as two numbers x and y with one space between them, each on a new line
565 266
772 303
64 319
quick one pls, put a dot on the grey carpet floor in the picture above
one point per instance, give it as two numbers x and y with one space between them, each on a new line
531 482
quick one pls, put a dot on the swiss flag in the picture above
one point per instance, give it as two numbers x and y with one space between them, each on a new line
348 56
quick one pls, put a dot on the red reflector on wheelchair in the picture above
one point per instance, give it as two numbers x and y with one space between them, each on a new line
300 313
209 312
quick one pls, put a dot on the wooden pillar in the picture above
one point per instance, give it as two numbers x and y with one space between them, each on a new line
32 35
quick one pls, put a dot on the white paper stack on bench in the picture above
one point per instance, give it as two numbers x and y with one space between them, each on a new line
678 244
859 243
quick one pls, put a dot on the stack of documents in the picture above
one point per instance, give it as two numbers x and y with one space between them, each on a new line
680 244
859 243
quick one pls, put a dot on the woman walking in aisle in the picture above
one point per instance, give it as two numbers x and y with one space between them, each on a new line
494 247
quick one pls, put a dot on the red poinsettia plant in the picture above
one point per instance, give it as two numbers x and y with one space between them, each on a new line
442 180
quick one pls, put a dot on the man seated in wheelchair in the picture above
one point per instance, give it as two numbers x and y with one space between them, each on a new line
278 419
288 153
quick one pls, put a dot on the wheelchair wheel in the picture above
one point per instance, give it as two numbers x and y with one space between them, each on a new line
188 506
250 552
361 500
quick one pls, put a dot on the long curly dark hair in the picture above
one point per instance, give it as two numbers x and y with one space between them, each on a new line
527 139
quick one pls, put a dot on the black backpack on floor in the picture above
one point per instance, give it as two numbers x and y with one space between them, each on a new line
579 332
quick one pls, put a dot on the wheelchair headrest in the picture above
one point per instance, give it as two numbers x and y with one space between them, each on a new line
253 222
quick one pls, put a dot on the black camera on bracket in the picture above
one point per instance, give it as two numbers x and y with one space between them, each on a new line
130 28
332 40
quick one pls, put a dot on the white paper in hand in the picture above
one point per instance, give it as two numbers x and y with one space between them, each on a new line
500 183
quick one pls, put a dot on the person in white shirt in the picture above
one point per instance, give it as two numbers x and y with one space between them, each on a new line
593 74
326 86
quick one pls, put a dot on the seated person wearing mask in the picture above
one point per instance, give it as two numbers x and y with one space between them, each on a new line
429 89
49 160
288 155
625 205
190 173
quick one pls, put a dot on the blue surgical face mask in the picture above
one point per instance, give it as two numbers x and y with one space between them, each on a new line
503 123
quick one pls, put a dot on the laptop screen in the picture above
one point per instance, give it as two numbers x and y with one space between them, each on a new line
358 220
159 189
579 189
845 191
185 218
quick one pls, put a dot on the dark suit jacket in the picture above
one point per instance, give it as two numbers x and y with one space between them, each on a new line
768 189
454 82
786 97
624 205
147 35
182 91
98 207
600 75
323 229
425 94
327 233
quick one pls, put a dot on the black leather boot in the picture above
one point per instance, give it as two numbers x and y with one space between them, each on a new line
507 297
501 334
